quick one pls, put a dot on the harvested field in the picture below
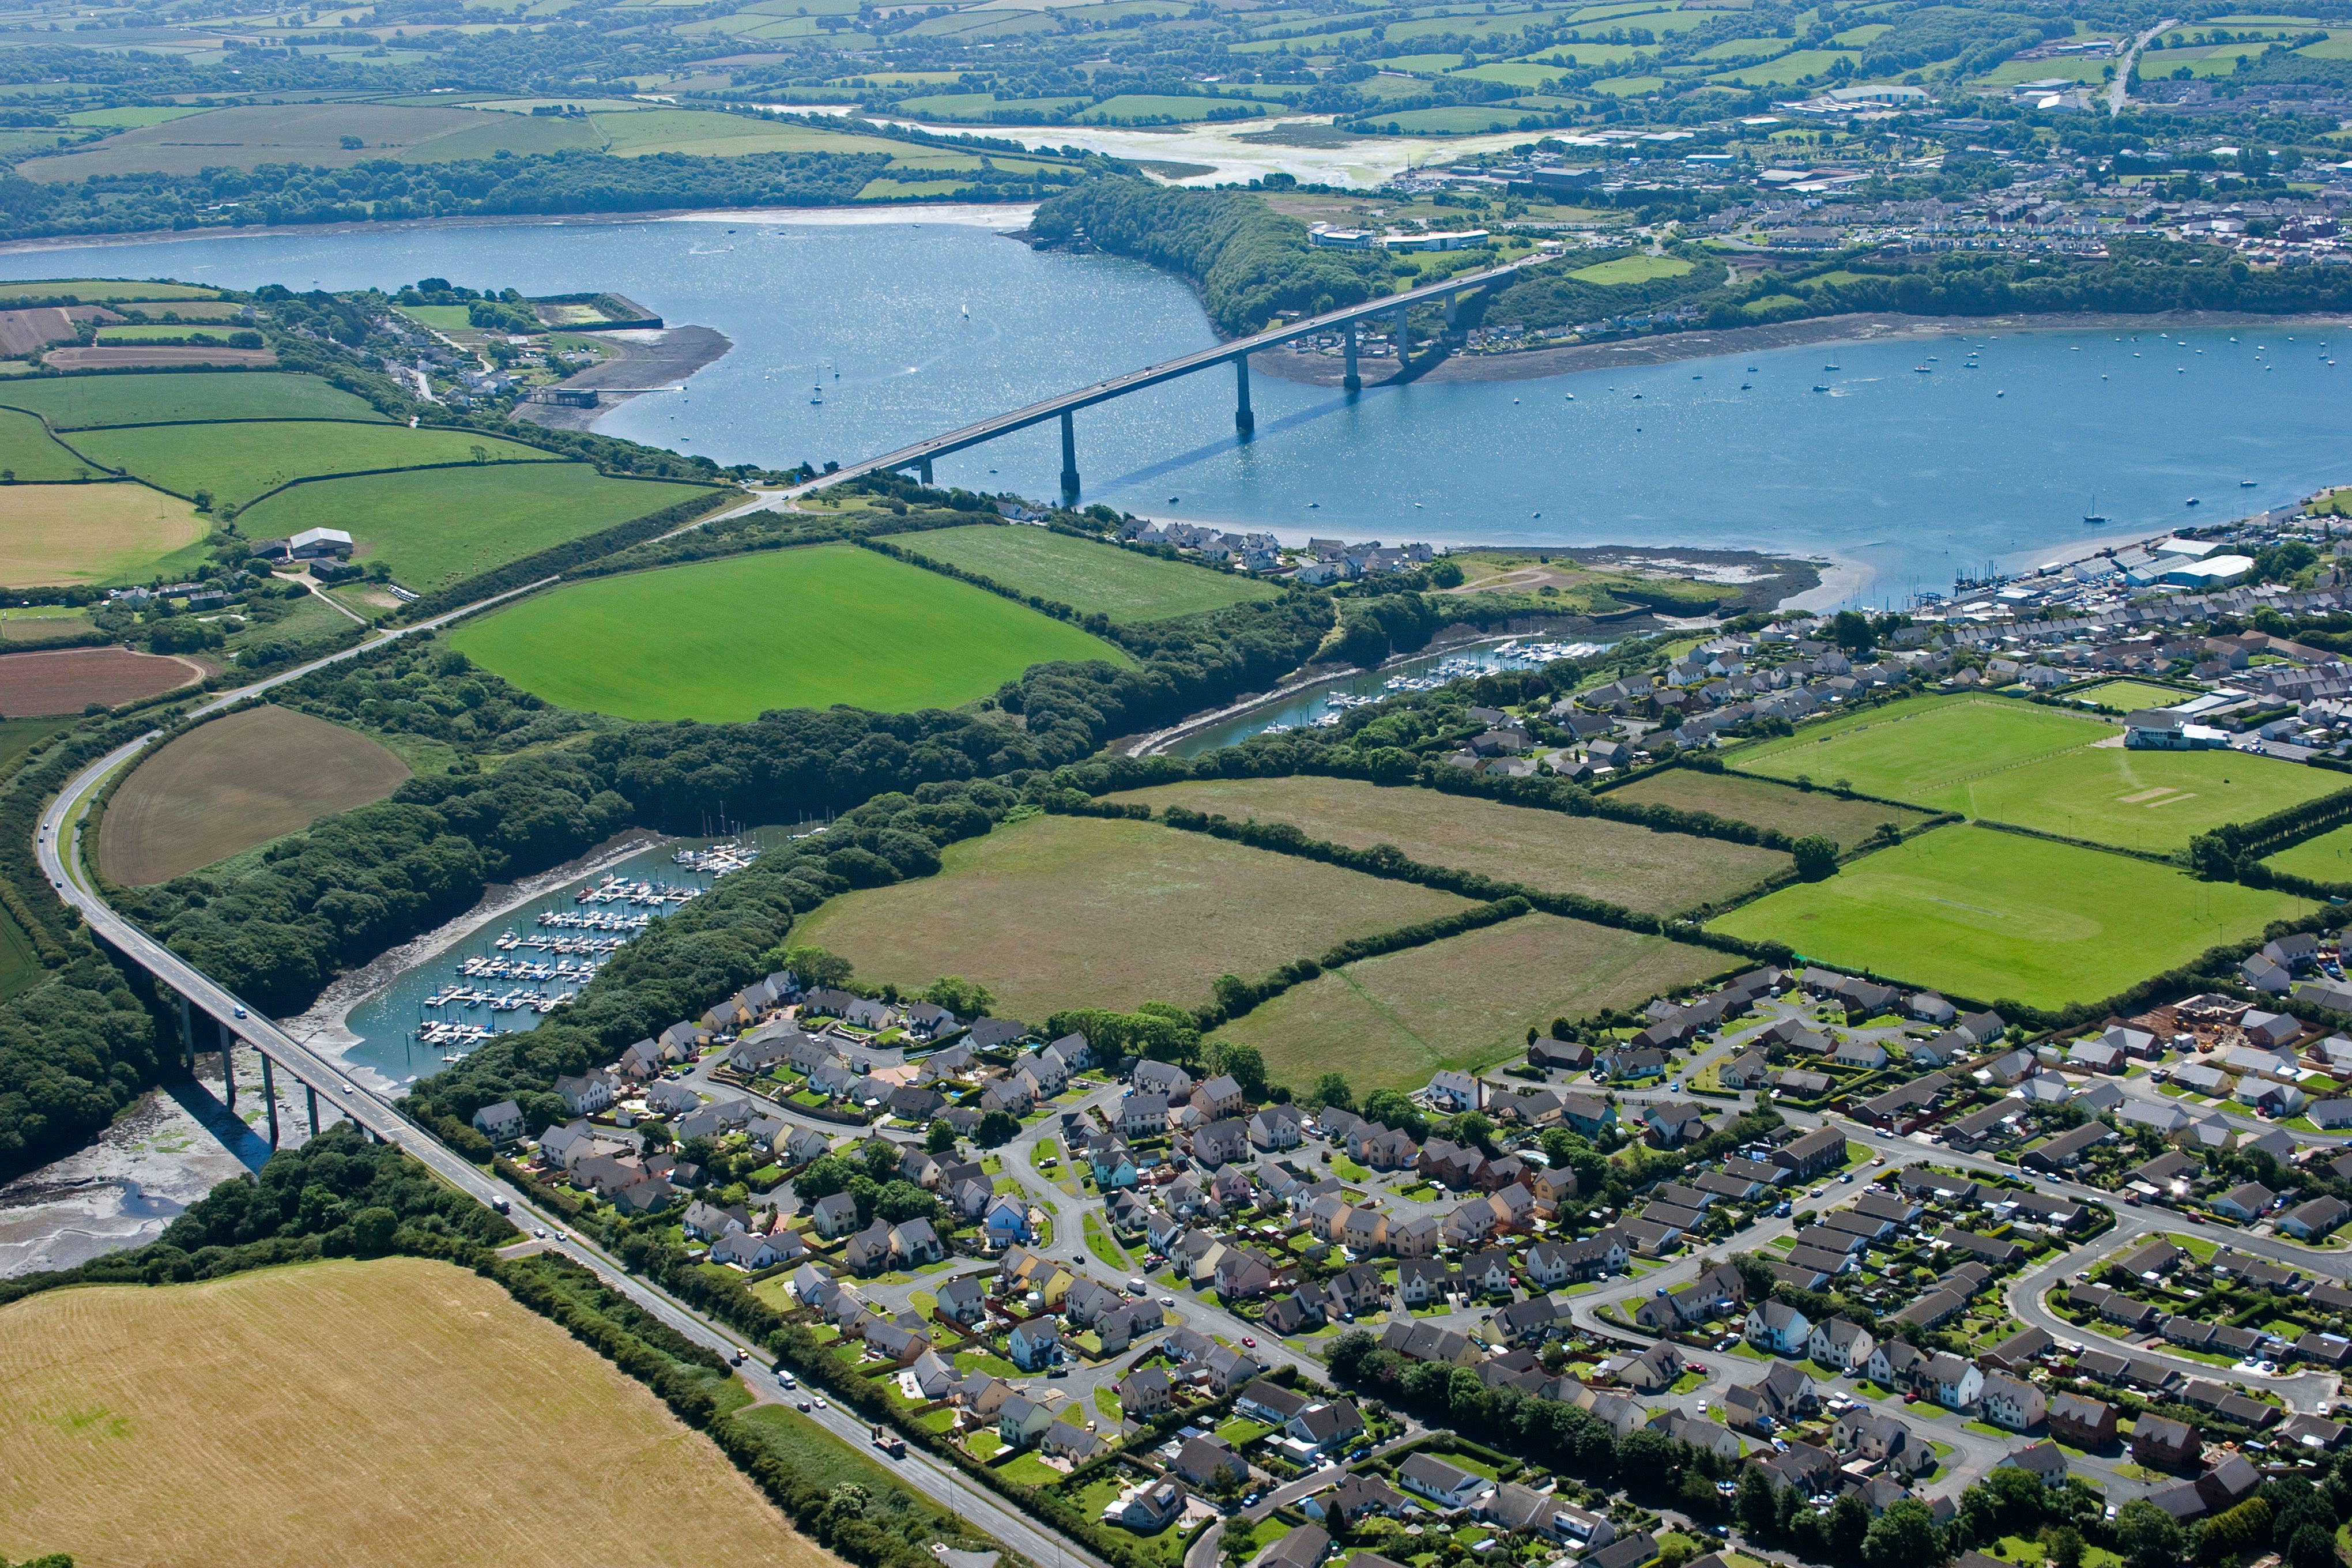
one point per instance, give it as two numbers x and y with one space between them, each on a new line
236 462
36 684
1766 805
63 535
1988 916
153 355
1111 913
1655 873
352 1413
1465 1002
233 783
79 403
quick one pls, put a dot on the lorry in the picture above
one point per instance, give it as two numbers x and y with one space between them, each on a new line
889 1442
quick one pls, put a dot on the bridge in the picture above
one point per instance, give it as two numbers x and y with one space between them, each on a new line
919 457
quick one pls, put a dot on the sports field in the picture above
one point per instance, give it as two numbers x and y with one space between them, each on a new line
350 1413
438 526
1104 579
1988 915
1657 873
1110 913
2129 695
236 462
1465 1002
729 640
65 681
29 455
63 535
2006 761
1765 803
2327 858
233 783
78 401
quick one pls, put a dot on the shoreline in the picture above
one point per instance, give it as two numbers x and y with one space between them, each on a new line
1815 331
638 353
321 1026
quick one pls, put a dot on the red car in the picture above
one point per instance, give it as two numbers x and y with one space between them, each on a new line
1249 1341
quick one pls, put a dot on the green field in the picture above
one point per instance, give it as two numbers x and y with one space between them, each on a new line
30 456
2130 696
1632 270
238 462
309 134
2327 858
1764 804
1978 913
78 401
1110 914
1657 873
729 640
1465 1002
2006 761
1091 578
165 332
98 291
438 526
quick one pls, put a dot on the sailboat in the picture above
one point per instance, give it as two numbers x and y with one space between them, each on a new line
2091 516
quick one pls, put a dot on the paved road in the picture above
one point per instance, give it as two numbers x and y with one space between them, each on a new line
2118 90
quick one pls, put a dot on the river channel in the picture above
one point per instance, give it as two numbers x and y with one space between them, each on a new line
1909 461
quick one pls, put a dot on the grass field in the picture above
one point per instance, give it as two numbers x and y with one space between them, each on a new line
98 291
237 462
63 535
326 1414
727 641
1111 913
2038 767
233 783
1653 872
2130 695
1465 1002
1987 915
80 402
1088 577
1632 270
311 134
438 526
30 456
2327 858
1768 804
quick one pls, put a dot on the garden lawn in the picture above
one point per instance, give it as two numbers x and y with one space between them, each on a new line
1655 873
2007 761
1124 584
235 463
1465 1002
2325 859
79 402
434 527
1989 915
1765 803
727 641
1111 913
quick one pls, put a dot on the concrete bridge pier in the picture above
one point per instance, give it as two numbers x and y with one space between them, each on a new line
1070 458
1451 311
1243 420
188 1033
1352 380
923 470
269 1099
1403 335
228 1065
314 1097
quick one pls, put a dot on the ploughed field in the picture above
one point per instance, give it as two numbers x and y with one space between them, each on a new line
399 1410
1079 911
1465 1002
2007 761
727 641
1987 915
233 783
68 680
1127 585
1655 873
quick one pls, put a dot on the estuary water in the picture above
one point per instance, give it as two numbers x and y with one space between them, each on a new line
1908 460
